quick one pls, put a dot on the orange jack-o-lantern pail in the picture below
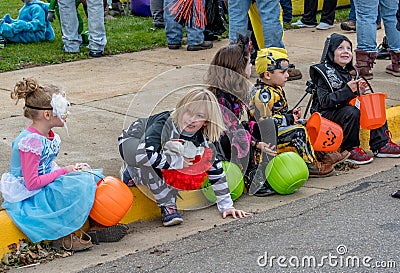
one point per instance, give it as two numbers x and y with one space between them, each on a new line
112 201
325 135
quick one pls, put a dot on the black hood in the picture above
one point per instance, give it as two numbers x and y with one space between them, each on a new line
334 42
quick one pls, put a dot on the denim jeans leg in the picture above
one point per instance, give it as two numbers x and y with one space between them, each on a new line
195 34
388 10
366 12
286 10
173 30
352 13
238 18
97 31
69 25
272 28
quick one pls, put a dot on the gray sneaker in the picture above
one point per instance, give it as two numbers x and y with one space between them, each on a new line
300 24
324 26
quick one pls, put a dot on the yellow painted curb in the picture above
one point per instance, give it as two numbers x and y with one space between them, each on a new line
10 233
143 209
393 119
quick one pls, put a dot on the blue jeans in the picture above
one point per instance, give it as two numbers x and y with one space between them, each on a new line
366 11
352 14
174 30
269 13
286 10
69 25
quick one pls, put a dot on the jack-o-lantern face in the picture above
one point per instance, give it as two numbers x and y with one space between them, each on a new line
330 138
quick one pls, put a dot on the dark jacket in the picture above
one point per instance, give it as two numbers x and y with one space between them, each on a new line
331 79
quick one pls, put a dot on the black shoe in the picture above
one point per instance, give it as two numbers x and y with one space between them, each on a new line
396 194
174 46
96 53
159 25
265 190
202 46
108 234
383 54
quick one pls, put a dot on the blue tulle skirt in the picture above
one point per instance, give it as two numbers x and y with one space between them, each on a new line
58 209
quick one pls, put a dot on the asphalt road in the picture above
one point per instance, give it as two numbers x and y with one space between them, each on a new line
353 228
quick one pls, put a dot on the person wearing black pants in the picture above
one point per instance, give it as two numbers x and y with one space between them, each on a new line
157 11
310 15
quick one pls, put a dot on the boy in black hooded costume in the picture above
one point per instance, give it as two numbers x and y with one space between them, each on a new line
334 90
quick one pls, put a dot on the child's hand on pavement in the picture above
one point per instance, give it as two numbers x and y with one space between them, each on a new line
236 213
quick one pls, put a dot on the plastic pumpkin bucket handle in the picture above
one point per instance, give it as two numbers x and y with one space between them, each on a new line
372 109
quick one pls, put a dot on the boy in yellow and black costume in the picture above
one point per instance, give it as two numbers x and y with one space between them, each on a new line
268 101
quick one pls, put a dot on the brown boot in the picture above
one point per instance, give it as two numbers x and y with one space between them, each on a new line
394 67
294 74
72 242
332 158
364 63
319 169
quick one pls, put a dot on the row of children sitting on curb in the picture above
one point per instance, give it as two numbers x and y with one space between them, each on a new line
48 202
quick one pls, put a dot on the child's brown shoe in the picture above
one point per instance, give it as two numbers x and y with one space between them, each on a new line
319 169
71 242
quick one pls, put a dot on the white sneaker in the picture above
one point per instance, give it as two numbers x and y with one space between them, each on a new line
324 26
300 24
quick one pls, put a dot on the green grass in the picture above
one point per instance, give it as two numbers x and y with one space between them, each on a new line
124 34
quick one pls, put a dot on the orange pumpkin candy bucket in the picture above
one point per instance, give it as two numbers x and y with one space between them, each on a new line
325 135
372 108
112 201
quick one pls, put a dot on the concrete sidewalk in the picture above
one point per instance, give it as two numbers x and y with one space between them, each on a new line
106 98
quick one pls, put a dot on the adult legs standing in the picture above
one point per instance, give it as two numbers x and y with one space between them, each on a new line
328 12
238 18
272 28
310 12
157 11
366 35
174 31
69 26
97 31
287 10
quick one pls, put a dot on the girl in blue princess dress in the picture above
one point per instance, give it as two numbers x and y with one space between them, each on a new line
45 201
